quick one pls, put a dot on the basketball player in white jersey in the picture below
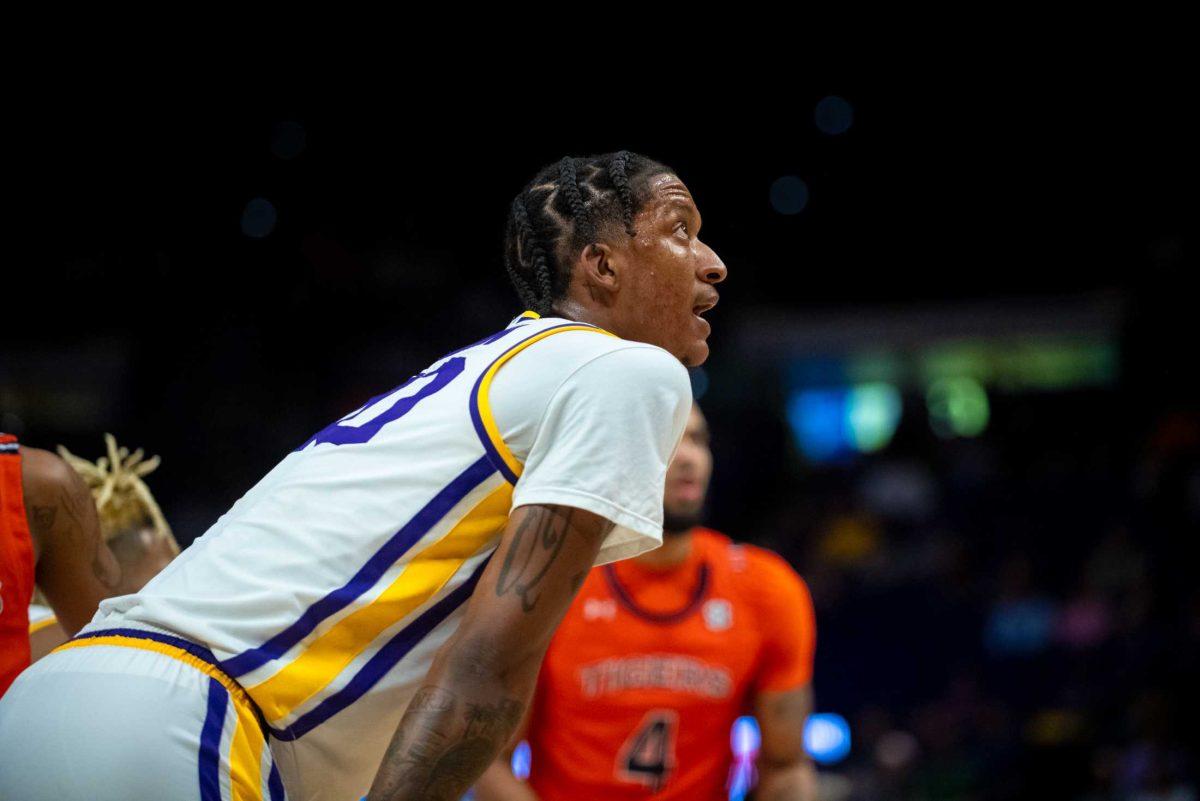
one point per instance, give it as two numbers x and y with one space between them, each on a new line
422 548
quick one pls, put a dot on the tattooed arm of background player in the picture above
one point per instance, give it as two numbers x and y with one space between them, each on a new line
75 569
785 772
481 680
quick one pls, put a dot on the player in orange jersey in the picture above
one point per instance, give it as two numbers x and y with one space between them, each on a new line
49 532
659 655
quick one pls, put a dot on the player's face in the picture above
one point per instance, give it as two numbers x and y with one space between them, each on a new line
688 475
673 274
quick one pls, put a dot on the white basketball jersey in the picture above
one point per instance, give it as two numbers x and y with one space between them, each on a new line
336 578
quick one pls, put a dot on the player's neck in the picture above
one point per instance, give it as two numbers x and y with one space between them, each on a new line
571 309
674 551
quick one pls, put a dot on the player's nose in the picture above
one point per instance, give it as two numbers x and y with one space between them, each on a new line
711 269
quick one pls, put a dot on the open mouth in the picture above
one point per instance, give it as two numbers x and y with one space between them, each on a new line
703 306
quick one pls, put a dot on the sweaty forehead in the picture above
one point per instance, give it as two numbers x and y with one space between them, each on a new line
667 190
668 185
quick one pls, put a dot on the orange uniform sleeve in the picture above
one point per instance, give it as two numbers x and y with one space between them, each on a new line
789 625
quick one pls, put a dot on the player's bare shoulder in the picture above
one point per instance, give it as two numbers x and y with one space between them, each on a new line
45 474
51 488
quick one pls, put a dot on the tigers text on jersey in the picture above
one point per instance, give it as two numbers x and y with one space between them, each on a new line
325 591
650 668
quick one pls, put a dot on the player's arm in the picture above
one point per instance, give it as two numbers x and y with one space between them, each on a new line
785 772
783 697
598 460
498 782
75 569
480 684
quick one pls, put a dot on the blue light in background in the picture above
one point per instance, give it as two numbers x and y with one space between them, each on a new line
833 115
288 140
744 737
521 758
817 420
744 740
789 195
835 422
827 737
258 218
826 740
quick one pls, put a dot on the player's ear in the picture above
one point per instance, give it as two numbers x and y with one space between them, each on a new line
600 268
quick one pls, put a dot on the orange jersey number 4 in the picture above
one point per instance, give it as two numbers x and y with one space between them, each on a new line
648 755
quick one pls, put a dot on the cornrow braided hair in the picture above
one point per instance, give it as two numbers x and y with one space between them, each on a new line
566 207
123 501
568 182
519 222
617 173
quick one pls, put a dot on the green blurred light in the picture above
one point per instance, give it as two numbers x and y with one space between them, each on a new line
872 414
1058 364
971 358
873 367
958 407
1040 364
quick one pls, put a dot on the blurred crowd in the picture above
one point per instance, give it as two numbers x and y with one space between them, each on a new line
1010 616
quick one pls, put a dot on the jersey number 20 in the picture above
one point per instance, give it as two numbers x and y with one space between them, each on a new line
361 425
349 430
648 756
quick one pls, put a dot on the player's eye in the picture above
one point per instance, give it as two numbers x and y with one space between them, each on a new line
682 226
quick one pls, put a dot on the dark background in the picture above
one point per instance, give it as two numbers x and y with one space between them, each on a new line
137 302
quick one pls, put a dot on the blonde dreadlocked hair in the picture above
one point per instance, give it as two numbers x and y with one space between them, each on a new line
123 501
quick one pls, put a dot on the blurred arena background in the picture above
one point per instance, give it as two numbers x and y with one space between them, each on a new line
952 377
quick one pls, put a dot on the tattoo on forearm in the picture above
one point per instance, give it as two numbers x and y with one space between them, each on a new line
432 699
536 543
443 745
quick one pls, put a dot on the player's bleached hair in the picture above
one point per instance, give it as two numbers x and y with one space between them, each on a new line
566 207
123 501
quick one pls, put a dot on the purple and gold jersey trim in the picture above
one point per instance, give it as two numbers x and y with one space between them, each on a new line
384 660
497 451
368 575
247 749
